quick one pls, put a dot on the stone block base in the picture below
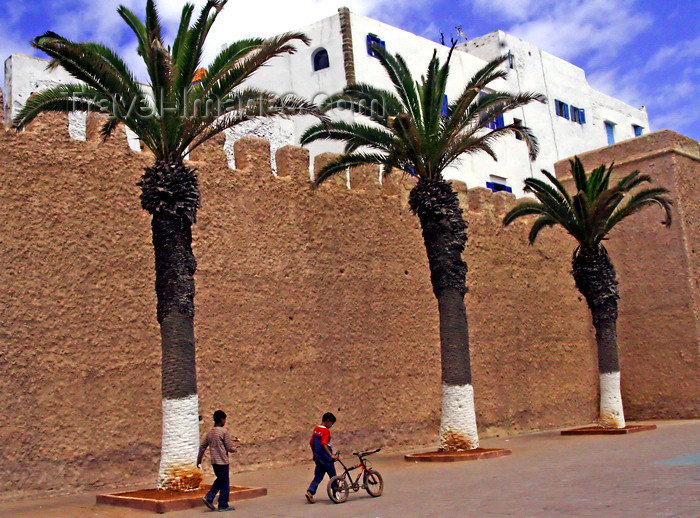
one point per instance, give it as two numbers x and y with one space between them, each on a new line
457 456
161 501
599 430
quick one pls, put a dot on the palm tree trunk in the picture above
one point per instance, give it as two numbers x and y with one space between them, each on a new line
171 194
444 234
595 278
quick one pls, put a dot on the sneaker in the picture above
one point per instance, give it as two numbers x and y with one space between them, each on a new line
224 509
208 503
309 497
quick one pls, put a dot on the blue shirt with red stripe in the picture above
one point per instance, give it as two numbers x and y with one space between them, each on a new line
319 437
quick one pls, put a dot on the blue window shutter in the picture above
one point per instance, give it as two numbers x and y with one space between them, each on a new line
610 130
371 38
556 106
637 130
565 110
509 189
445 104
489 185
500 122
576 114
582 116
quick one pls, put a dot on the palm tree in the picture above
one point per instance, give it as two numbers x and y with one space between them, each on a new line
589 216
171 117
414 130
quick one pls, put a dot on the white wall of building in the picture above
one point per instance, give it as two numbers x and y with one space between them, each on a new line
533 70
294 74
538 71
25 75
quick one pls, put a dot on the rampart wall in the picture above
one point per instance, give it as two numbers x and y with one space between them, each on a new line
307 301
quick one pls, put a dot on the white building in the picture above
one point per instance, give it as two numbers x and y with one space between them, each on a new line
575 119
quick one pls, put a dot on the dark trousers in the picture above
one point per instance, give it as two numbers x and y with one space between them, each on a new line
321 469
221 485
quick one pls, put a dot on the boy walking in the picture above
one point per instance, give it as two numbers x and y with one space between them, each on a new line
323 454
219 443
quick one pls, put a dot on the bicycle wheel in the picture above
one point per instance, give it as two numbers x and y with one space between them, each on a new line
373 482
338 489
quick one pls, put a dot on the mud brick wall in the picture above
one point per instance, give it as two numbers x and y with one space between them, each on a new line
307 301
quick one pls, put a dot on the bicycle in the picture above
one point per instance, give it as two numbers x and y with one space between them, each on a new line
339 486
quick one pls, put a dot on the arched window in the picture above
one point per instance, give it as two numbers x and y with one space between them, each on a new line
320 59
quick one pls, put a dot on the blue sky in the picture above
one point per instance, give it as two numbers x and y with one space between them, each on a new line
642 51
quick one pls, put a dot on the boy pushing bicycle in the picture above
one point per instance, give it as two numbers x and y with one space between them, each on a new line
323 454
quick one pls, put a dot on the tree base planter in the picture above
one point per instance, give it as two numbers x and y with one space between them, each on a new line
163 501
457 456
599 430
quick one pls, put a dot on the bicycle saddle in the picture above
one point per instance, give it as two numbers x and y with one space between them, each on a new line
363 453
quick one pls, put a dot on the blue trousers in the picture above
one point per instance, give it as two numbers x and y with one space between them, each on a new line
221 485
321 469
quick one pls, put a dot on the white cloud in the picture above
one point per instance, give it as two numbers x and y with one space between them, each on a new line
623 86
667 102
12 41
510 10
683 51
575 28
570 28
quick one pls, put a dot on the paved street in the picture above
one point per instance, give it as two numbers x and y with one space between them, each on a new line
654 473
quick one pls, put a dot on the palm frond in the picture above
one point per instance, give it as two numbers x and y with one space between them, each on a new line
138 28
539 224
374 103
654 196
344 161
62 98
354 134
417 136
109 126
400 76
223 76
579 174
192 45
525 208
594 210
185 19
476 85
94 64
558 206
253 104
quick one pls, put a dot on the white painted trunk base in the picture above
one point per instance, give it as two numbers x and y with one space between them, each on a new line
180 446
458 423
611 413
